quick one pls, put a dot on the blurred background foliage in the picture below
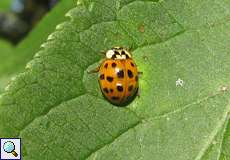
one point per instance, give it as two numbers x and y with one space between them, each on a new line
5 5
16 52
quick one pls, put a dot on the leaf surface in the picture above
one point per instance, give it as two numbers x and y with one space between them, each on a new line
64 116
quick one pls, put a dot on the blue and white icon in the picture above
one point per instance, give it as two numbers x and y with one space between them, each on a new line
10 149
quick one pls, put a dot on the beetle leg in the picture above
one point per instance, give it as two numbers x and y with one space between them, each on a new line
95 70
140 74
103 52
138 92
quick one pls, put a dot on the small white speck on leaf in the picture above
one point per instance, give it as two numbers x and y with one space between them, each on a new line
214 142
223 88
179 82
168 118
145 58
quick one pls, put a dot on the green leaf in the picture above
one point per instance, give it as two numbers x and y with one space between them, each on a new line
57 108
5 5
224 153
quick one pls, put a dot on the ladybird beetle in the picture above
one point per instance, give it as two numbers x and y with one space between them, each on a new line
118 76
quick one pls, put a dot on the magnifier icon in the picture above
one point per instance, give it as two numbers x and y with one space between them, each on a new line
9 147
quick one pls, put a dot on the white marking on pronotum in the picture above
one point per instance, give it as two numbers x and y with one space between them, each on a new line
179 82
109 54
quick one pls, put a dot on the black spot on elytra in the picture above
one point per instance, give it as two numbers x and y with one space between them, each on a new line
111 90
120 74
115 98
130 73
106 65
106 90
123 52
114 65
110 79
130 88
136 78
132 64
119 88
102 76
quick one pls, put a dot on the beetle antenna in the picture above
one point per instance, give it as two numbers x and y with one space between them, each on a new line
102 52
